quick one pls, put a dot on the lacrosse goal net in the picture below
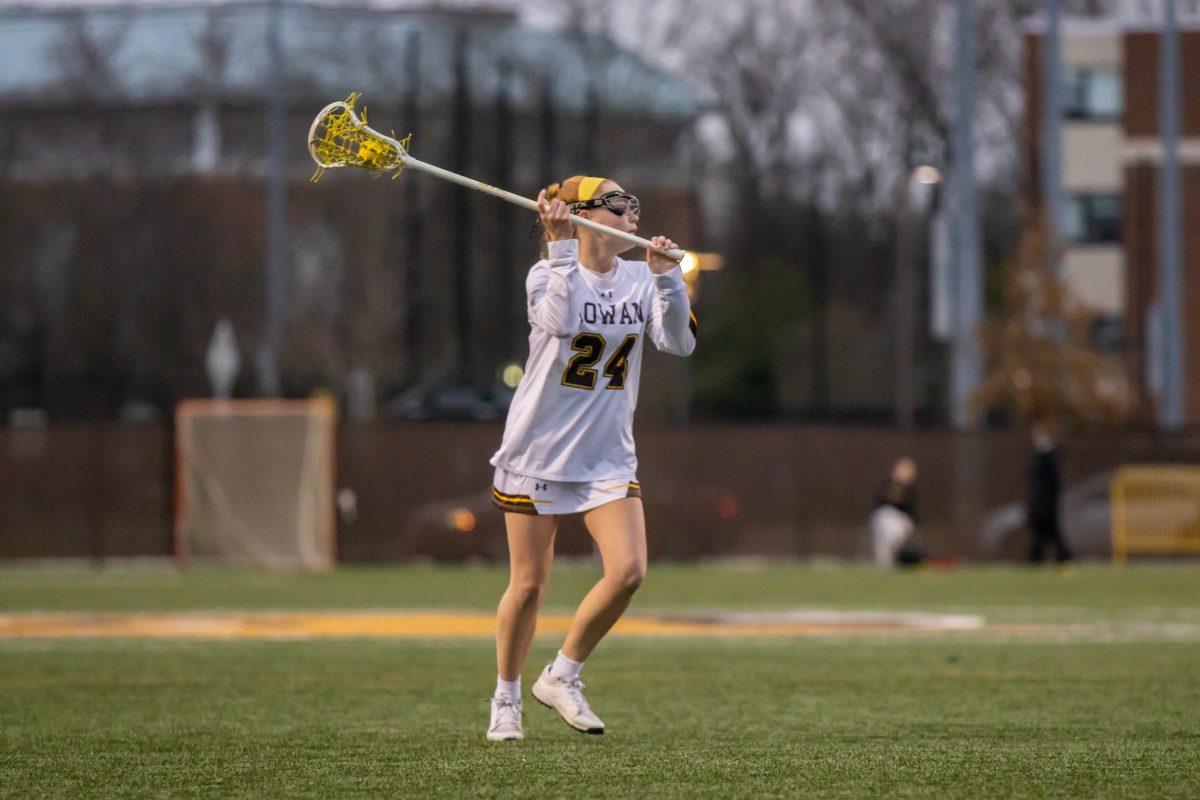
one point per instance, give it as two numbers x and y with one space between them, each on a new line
1155 511
254 483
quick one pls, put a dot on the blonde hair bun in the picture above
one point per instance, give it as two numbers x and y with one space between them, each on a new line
567 191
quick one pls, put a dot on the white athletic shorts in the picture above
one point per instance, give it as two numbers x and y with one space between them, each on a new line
890 528
522 494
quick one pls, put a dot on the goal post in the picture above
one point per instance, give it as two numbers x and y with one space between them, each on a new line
254 483
1155 510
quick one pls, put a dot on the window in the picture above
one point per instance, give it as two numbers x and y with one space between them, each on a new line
1107 334
1092 219
1092 93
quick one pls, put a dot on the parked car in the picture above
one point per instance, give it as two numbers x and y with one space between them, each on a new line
1086 523
453 402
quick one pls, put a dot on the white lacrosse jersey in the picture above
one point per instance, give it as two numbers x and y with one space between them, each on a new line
572 416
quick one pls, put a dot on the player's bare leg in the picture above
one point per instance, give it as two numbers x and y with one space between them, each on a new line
619 529
531 555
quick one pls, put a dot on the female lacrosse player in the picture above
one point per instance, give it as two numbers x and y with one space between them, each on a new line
568 442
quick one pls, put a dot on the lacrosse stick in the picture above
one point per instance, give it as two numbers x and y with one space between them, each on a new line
339 137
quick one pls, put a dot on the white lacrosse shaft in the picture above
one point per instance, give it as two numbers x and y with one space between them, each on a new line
470 183
525 202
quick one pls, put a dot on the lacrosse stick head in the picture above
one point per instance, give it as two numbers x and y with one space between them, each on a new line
340 137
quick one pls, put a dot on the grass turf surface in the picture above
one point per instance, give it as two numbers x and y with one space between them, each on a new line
940 716
1002 593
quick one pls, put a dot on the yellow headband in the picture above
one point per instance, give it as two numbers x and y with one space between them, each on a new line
587 187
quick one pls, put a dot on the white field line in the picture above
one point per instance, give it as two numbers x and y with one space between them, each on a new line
917 620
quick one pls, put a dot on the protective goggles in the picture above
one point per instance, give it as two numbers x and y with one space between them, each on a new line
619 203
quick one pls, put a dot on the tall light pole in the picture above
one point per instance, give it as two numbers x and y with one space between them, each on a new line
414 285
276 233
1051 133
1170 298
966 369
915 190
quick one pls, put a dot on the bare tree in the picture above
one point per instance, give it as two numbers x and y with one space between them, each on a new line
85 52
752 65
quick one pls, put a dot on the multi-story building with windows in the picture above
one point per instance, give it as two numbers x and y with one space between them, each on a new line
1111 152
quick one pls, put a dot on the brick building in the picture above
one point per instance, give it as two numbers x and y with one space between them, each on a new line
1111 152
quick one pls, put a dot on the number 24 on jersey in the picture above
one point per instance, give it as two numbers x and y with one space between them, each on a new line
589 349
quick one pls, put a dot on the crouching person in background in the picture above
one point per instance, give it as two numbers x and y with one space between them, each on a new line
894 518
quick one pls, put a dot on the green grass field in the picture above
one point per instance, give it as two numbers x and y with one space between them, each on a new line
1091 690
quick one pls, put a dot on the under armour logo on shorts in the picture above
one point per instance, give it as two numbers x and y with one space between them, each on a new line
540 487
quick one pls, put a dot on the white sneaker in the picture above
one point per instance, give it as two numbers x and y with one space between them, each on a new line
506 720
566 697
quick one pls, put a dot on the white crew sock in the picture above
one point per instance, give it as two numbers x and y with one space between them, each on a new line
509 689
564 668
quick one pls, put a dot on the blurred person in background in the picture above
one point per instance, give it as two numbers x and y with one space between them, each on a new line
1044 491
894 518
568 442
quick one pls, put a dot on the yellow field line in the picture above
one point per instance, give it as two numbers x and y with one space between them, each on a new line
280 625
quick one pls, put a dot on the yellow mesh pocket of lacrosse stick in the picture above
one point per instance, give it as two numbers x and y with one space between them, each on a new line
341 138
